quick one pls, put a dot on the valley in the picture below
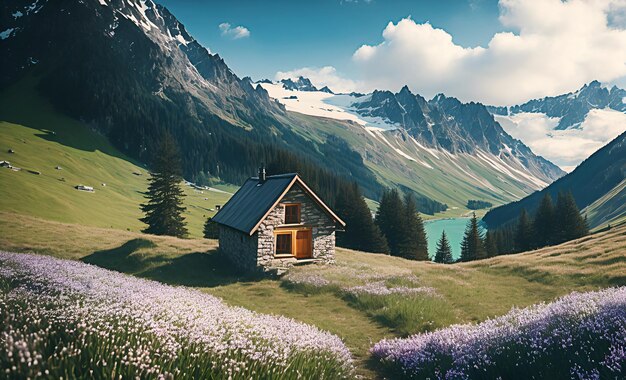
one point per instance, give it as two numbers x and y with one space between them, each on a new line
163 216
442 150
399 159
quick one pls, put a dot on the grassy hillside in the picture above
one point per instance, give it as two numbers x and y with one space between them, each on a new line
452 180
596 183
44 139
465 293
608 209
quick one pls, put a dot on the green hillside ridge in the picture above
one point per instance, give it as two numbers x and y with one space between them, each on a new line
610 209
596 184
469 292
43 139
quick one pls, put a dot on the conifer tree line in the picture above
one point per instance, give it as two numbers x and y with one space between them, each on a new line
163 211
551 224
361 233
401 225
473 243
211 229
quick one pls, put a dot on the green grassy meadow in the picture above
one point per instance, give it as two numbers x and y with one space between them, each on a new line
608 209
469 292
43 140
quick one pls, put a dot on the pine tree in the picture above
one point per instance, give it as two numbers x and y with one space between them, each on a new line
570 224
443 254
544 224
524 233
413 244
491 244
505 239
472 245
360 232
389 219
211 230
163 211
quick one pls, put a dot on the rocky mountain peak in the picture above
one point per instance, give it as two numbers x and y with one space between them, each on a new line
447 123
572 108
405 91
300 84
326 89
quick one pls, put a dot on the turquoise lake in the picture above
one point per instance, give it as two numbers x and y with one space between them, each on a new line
454 227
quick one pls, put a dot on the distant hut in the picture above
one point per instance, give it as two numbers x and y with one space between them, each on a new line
84 188
275 222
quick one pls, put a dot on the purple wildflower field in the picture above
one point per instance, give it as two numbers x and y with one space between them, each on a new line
68 319
379 288
579 336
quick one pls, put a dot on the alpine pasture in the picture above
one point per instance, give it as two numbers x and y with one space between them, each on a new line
344 308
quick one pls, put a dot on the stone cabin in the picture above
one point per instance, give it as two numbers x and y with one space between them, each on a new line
276 222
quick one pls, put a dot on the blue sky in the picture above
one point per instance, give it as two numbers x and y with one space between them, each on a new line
499 52
285 35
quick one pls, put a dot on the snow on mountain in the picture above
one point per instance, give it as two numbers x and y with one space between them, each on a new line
427 133
323 104
6 33
567 129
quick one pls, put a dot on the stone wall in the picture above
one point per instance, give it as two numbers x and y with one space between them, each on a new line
311 215
239 248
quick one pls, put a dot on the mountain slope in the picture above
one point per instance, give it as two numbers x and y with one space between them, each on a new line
131 71
609 208
442 123
446 123
446 168
594 183
67 153
147 76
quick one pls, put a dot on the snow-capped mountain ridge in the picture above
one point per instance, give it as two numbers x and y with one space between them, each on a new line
567 128
573 107
302 84
443 125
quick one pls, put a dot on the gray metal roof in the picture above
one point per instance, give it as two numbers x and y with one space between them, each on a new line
251 203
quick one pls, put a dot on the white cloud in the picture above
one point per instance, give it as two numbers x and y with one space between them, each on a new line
566 148
320 77
234 33
555 47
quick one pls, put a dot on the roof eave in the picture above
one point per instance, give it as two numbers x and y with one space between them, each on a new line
312 194
287 188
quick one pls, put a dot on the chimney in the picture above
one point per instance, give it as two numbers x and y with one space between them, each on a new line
262 176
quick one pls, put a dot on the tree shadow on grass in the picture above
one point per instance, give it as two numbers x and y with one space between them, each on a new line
197 269
121 258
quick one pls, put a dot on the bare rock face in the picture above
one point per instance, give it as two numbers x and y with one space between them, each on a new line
446 123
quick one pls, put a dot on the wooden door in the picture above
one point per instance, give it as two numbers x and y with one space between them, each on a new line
304 246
